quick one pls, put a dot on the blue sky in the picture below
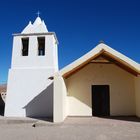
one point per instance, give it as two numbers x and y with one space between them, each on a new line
79 25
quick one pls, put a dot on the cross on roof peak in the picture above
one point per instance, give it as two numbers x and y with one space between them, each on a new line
38 13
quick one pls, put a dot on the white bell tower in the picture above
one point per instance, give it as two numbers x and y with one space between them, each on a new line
34 62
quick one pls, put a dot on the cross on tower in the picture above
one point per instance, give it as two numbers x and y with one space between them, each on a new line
38 13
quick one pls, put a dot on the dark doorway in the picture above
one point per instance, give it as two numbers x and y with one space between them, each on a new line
2 106
100 100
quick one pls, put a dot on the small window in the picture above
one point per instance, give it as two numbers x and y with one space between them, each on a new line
25 43
41 46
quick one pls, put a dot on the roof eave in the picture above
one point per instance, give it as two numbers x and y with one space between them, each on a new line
80 63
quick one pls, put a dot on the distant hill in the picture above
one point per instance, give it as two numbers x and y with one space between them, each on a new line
3 88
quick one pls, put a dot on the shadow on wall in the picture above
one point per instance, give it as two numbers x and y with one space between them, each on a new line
42 105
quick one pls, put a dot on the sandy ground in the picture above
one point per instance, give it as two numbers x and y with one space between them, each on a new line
71 129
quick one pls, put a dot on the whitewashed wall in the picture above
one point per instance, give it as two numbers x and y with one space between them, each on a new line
59 99
50 60
30 91
122 89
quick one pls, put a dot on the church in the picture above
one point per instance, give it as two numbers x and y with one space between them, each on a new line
103 82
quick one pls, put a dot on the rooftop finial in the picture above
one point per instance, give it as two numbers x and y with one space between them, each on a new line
101 41
38 13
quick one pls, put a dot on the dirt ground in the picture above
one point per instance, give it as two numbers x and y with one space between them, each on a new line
73 128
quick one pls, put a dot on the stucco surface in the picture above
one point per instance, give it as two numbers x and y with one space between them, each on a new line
60 103
30 88
122 89
49 60
30 93
137 92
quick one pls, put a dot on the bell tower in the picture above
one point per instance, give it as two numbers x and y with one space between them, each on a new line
34 61
35 47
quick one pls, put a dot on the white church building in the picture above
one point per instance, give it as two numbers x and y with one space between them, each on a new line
103 82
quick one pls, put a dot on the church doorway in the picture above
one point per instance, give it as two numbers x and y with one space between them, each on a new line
100 100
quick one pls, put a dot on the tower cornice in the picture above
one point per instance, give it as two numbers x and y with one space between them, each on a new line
37 34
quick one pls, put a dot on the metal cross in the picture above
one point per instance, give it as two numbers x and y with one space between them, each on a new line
38 13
